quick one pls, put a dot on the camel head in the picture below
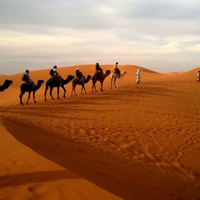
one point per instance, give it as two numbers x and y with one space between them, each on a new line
107 73
123 73
40 82
7 83
87 79
69 78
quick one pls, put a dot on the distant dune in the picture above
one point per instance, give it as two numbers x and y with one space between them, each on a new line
137 141
175 73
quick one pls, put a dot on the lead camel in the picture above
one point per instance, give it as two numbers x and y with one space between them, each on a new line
115 76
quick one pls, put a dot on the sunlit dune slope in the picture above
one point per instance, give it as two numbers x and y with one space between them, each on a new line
189 75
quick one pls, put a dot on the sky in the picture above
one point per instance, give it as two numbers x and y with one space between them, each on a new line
159 35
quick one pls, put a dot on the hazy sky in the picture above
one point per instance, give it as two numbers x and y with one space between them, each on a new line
156 34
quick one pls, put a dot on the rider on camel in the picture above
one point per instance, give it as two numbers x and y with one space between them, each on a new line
28 79
116 69
79 75
98 69
55 75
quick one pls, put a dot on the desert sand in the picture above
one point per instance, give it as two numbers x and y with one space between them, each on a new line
134 142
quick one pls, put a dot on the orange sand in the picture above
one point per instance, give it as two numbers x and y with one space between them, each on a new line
137 142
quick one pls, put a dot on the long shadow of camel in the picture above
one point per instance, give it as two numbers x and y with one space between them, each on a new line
103 169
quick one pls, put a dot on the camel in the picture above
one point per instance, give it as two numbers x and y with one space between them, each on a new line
79 82
115 76
53 83
5 85
25 87
99 77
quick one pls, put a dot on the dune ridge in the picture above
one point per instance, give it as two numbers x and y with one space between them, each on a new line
132 142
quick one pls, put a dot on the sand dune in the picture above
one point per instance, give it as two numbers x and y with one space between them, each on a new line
175 73
132 142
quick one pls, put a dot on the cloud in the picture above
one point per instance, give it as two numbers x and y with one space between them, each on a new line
40 34
168 10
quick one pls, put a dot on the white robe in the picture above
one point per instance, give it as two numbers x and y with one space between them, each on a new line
138 79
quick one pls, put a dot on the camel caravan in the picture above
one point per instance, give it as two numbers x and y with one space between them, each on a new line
56 81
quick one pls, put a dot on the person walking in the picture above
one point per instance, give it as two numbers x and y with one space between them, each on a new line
138 78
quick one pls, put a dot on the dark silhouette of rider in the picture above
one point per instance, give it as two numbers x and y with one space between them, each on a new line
28 79
79 75
56 75
98 69
116 69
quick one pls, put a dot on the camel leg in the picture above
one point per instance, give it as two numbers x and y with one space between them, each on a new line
45 93
102 86
82 90
51 93
73 90
111 82
29 94
83 87
58 92
94 86
114 82
118 82
34 97
62 86
20 96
